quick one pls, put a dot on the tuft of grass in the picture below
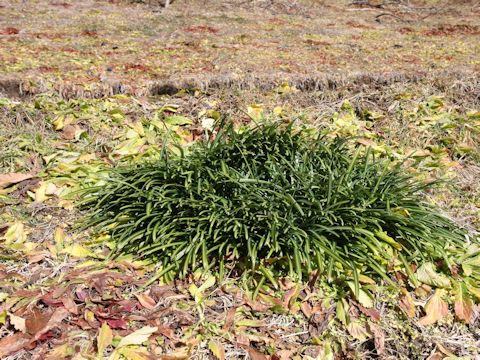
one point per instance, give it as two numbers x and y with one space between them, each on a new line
270 201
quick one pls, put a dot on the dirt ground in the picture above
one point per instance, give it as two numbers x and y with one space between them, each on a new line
93 46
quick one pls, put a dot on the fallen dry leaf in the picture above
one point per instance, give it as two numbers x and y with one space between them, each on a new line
56 318
13 343
217 349
229 318
290 297
36 321
146 301
463 304
68 132
60 352
252 353
137 337
435 309
284 354
13 178
18 323
406 304
358 331
70 305
306 309
373 314
379 338
136 354
104 338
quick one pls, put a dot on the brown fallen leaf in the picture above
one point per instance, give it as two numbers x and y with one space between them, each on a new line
306 309
379 338
229 318
463 304
258 305
13 178
406 304
146 301
372 313
68 132
35 321
435 309
166 331
70 305
9 31
13 343
55 320
290 297
284 354
252 353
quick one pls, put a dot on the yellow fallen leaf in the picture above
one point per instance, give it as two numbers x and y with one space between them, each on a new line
255 111
250 323
85 264
217 349
77 250
135 354
197 292
60 352
278 110
104 338
25 247
285 88
137 337
40 193
15 234
53 250
3 317
89 315
59 123
358 331
59 238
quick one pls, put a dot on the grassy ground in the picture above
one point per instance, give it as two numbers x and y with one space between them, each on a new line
87 85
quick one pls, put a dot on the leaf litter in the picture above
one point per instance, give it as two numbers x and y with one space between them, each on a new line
61 298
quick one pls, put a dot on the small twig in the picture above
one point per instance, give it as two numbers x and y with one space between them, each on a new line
294 334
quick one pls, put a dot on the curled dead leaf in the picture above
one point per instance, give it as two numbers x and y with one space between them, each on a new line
406 304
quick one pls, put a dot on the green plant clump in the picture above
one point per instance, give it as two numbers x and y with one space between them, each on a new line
272 201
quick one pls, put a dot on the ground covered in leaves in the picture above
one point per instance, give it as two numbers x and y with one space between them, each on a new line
85 87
